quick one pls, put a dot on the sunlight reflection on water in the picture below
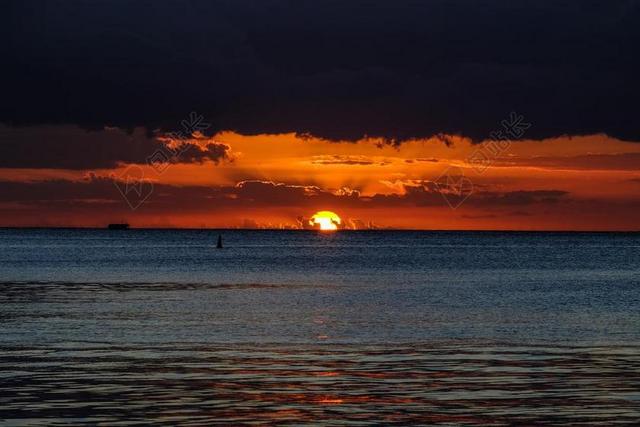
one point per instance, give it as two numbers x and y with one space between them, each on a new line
437 383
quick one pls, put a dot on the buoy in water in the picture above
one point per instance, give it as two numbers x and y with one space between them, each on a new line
219 245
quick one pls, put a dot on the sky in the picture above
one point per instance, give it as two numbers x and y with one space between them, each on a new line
448 114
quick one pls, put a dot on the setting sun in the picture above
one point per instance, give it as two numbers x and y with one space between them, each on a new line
327 220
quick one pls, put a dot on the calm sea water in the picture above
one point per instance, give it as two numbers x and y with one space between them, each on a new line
118 327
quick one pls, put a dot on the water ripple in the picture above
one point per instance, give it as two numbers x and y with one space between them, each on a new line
435 384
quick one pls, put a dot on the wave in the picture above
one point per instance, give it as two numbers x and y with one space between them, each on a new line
150 286
434 384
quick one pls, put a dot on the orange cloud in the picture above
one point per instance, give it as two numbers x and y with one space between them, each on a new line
563 183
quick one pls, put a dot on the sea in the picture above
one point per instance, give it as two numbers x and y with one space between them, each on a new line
132 327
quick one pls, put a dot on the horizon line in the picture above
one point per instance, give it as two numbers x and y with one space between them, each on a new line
385 229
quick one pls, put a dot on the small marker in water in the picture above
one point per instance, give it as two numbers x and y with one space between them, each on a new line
219 245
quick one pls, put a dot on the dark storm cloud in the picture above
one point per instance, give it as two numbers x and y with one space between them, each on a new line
338 69
70 147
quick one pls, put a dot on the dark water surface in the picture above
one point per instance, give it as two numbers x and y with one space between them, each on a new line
113 327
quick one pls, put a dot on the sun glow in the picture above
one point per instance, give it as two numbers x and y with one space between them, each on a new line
326 220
